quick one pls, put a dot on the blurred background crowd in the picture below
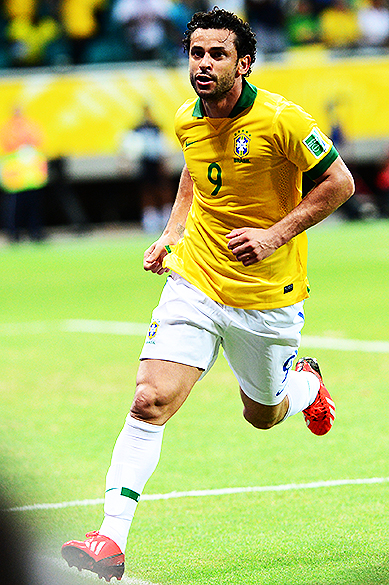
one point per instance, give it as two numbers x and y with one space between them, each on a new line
63 32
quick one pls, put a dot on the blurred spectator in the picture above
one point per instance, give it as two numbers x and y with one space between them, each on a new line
63 197
363 202
145 24
180 13
361 205
302 24
30 30
20 8
382 184
79 18
145 147
23 176
319 5
267 19
373 21
236 6
339 25
351 209
336 133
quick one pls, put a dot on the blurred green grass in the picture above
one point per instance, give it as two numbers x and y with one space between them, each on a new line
64 397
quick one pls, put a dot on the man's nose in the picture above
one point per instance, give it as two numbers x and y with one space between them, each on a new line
206 61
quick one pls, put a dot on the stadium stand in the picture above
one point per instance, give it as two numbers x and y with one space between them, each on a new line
57 32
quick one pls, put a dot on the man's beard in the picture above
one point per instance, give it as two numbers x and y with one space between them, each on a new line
223 85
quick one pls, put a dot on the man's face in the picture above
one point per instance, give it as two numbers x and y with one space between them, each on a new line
213 63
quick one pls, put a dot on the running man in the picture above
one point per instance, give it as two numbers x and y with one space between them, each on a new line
236 247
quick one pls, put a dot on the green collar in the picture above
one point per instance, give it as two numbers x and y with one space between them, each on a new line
246 99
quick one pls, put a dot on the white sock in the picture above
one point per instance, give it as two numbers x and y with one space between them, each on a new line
134 458
302 390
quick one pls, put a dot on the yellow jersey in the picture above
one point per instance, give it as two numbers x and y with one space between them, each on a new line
247 172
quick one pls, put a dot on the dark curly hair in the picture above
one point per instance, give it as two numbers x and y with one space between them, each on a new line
218 18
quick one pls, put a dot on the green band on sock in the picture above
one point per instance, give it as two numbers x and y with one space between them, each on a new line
130 494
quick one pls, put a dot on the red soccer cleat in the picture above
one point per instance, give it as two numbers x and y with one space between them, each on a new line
320 415
97 553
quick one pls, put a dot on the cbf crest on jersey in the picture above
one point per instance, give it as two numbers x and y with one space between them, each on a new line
242 146
152 332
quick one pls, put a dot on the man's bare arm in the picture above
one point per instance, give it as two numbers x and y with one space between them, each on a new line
175 227
332 189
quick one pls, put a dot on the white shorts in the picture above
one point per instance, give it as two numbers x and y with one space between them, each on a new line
188 327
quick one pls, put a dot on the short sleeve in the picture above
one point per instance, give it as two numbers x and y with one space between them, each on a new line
301 141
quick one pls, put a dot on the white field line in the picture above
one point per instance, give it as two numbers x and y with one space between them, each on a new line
215 492
140 329
337 344
10 329
74 326
113 327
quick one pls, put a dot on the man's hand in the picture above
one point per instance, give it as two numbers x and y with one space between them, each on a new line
153 257
251 245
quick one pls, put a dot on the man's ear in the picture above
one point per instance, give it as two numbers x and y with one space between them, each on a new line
243 65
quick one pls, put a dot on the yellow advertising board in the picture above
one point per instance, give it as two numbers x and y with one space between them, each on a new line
84 112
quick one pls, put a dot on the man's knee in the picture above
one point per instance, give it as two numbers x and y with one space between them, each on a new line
146 405
161 388
260 420
262 416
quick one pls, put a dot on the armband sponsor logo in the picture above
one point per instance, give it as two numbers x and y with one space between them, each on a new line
315 143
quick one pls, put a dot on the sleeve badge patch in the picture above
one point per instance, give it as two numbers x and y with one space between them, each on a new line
315 143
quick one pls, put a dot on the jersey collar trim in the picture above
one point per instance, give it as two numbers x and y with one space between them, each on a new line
246 99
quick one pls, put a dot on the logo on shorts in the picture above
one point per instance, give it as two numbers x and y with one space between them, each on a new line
152 332
286 367
241 145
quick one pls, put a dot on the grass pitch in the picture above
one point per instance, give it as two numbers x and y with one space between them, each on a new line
64 396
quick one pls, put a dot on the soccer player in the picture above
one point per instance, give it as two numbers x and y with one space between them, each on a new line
236 247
